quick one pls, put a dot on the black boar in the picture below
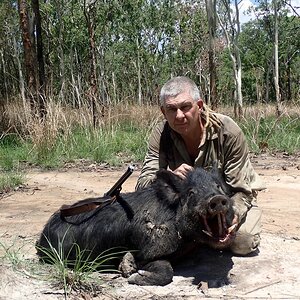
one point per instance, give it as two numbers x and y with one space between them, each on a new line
156 222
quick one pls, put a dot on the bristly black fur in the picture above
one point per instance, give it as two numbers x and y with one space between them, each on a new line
156 222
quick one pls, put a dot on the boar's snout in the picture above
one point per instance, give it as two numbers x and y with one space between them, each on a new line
218 204
217 222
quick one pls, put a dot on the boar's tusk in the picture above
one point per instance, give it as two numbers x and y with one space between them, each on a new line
231 228
220 225
224 221
207 228
208 233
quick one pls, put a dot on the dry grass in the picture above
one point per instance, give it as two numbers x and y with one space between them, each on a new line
16 118
61 120
263 110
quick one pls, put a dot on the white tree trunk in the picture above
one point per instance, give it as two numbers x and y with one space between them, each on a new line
234 51
139 73
276 67
211 18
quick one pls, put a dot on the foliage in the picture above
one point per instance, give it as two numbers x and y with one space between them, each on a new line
11 254
257 49
11 154
118 144
140 44
9 180
73 274
273 134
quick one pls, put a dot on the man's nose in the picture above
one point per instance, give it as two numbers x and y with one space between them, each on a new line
179 113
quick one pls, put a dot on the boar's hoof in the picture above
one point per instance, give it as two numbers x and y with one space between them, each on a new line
127 266
157 272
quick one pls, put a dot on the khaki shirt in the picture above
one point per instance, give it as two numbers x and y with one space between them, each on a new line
224 147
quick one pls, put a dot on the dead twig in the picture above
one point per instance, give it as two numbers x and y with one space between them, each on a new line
262 287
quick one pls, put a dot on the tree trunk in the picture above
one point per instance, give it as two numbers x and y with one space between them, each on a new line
211 17
232 36
40 58
276 67
60 6
139 73
89 12
4 77
21 78
29 56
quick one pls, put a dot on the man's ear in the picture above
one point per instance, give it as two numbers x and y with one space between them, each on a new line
200 103
162 109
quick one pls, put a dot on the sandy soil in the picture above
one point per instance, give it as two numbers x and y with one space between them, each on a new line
272 274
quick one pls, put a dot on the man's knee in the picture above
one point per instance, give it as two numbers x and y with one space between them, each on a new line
248 236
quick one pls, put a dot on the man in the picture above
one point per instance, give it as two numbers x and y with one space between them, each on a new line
194 136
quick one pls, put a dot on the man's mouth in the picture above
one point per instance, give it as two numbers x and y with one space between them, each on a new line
181 124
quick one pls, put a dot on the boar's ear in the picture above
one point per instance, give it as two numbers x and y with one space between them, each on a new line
220 181
169 186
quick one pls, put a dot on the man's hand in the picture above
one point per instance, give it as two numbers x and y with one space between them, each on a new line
241 205
183 170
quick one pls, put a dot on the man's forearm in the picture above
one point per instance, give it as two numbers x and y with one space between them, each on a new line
242 203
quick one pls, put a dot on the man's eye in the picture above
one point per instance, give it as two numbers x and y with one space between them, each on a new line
186 108
171 109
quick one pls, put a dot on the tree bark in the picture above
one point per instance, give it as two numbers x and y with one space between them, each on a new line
89 13
29 55
276 67
40 58
234 52
212 24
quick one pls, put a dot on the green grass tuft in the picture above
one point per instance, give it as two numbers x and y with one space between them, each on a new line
72 274
273 134
9 180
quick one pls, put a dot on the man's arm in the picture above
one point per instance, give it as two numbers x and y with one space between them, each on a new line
238 170
151 162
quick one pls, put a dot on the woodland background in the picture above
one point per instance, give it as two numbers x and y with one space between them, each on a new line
102 53
80 80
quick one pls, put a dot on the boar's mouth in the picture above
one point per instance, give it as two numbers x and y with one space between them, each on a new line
215 223
217 229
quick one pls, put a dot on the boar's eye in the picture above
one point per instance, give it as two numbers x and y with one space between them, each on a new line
220 188
191 194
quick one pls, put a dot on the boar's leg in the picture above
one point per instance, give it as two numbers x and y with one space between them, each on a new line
158 272
127 266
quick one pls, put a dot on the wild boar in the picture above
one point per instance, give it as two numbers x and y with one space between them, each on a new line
155 223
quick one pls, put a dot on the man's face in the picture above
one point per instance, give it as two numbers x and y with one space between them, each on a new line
182 113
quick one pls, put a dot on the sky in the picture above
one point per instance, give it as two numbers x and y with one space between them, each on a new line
245 4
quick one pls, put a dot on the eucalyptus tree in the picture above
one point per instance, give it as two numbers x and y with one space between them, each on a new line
136 45
282 32
30 24
289 49
230 23
211 10
11 72
276 66
256 53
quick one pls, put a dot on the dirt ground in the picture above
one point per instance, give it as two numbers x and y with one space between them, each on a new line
272 274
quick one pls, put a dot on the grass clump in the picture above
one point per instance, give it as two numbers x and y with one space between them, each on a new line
73 275
273 134
9 180
12 255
